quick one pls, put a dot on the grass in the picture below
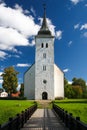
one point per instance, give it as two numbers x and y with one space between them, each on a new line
77 107
9 108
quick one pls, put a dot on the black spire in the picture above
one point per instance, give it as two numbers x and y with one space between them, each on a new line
44 30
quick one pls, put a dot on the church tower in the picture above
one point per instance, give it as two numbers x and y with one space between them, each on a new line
44 62
44 80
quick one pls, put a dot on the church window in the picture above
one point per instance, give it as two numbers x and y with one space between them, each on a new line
46 45
44 81
44 67
42 45
44 55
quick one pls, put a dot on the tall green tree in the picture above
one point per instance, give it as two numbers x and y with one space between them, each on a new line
10 80
22 90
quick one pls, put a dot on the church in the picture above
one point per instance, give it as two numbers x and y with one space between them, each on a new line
44 80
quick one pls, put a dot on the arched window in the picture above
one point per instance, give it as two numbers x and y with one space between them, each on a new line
46 45
42 45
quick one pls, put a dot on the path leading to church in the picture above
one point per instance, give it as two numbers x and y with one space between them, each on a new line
44 119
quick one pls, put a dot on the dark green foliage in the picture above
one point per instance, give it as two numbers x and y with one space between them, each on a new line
22 90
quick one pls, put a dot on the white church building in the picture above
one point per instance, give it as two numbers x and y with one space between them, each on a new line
44 80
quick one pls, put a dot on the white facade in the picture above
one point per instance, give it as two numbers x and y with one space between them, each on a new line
58 82
44 67
29 83
44 80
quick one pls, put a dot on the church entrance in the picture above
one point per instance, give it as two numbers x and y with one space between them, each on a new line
44 96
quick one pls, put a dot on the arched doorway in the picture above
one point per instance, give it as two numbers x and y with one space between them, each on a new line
44 96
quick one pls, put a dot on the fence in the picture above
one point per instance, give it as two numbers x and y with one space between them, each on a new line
70 122
18 122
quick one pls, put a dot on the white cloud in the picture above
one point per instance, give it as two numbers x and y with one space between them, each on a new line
3 54
75 1
23 65
86 5
85 34
10 37
59 34
1 80
1 73
65 70
69 82
76 26
70 42
33 11
17 29
84 26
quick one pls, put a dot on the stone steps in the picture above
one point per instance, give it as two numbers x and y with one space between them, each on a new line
44 104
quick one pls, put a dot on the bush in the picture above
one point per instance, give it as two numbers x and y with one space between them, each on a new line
59 98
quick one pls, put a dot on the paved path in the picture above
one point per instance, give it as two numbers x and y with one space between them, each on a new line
44 119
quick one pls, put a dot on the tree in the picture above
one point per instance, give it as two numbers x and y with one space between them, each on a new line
65 81
77 91
69 93
80 82
10 81
22 90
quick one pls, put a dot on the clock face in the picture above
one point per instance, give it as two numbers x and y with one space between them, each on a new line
44 81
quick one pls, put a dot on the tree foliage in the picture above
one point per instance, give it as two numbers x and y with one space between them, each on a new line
22 90
77 89
10 81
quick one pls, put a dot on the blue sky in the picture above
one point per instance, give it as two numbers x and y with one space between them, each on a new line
20 21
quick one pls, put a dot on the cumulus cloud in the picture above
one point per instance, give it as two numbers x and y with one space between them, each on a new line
15 27
18 29
9 38
3 54
59 34
1 80
75 1
76 26
66 70
1 73
23 65
84 26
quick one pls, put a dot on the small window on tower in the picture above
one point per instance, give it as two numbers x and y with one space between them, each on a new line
46 45
44 81
44 55
44 67
42 45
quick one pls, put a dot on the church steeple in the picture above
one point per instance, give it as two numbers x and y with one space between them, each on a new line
44 30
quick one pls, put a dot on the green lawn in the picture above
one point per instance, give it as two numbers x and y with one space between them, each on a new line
9 108
76 107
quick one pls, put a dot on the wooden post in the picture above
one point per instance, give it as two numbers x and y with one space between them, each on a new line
10 123
18 122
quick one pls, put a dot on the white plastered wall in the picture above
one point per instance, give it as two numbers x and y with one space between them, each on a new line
58 82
